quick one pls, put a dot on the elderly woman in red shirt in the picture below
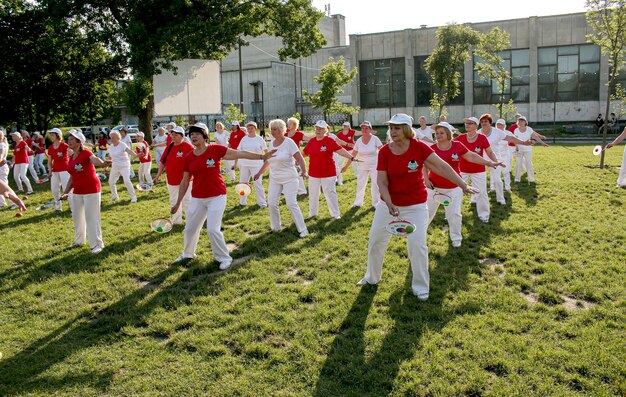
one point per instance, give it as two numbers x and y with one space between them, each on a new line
58 159
403 194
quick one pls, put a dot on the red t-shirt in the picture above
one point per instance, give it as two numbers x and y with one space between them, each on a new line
451 156
297 137
478 146
84 178
205 170
404 173
512 129
145 149
40 146
102 144
29 142
235 138
322 164
20 153
349 137
58 157
175 162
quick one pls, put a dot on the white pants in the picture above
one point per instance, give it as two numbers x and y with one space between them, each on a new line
479 181
102 154
86 216
158 152
211 209
361 184
339 162
245 174
19 174
31 168
229 167
524 158
39 164
177 218
4 176
114 175
289 189
416 245
507 159
132 171
328 186
621 179
144 173
452 211
496 179
58 183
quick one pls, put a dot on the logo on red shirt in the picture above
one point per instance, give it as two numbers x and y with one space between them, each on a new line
59 154
78 167
179 154
412 166
477 149
210 163
455 157
323 148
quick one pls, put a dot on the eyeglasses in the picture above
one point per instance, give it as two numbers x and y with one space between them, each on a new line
469 123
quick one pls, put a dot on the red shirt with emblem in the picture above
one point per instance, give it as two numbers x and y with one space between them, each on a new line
40 145
322 164
58 157
20 153
175 162
349 137
205 170
478 146
84 178
235 138
451 156
145 149
297 137
512 129
404 173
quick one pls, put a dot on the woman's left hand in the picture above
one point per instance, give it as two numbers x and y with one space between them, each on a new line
470 190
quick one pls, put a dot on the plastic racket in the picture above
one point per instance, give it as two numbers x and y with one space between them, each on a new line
144 187
400 227
442 198
162 225
243 189
597 150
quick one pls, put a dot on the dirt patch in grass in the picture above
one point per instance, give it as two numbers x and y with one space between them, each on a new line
529 298
575 304
145 284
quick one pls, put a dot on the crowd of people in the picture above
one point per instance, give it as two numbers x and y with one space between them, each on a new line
408 176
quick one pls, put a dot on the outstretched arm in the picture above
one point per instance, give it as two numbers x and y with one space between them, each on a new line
617 140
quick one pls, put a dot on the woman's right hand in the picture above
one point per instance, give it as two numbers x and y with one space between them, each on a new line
608 146
429 184
174 208
64 196
393 210
156 180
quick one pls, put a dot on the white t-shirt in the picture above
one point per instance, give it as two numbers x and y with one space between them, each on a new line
426 132
524 136
283 165
4 150
221 139
128 142
160 139
495 138
368 153
118 154
256 145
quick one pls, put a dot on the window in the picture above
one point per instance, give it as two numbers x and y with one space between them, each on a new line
424 88
382 83
517 62
569 73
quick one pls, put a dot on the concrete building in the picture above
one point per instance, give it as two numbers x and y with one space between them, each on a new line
556 75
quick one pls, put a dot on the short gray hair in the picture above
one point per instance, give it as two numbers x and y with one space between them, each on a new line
279 124
119 136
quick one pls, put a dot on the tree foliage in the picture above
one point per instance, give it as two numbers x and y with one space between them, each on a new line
607 18
490 65
453 50
332 78
233 113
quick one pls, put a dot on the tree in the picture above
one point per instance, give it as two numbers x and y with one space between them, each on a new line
607 18
490 65
234 114
453 46
333 76
150 35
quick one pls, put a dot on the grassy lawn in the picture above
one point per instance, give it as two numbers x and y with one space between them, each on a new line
534 303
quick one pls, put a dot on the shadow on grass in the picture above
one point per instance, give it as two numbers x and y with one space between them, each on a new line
527 191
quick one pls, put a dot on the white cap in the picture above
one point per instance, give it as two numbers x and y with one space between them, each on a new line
401 118
141 134
472 119
56 131
501 121
202 126
15 133
444 125
235 123
179 130
522 118
36 133
367 123
251 123
321 124
171 124
346 124
78 135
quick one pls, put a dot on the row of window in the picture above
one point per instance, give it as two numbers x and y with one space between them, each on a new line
569 73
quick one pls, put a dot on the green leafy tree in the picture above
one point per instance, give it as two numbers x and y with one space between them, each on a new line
151 35
445 64
607 18
332 78
491 65
233 113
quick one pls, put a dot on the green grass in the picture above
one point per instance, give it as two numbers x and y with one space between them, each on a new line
534 303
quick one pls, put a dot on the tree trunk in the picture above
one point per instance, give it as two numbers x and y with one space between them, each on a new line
145 119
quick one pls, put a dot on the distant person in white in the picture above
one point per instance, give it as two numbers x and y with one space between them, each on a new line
221 136
248 168
525 153
366 150
126 139
506 155
284 177
424 133
4 168
120 166
159 143
621 179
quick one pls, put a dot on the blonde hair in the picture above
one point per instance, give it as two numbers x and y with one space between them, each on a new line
448 132
278 123
294 120
219 124
407 131
116 133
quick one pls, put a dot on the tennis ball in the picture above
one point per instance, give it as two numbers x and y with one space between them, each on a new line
242 193
159 229
25 198
410 229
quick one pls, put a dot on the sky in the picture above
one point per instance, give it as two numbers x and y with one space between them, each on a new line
369 16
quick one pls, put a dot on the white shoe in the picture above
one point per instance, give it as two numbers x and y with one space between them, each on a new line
96 250
262 205
226 264
181 259
114 198
337 217
133 200
311 216
304 233
422 297
484 220
31 192
362 282
456 244
502 202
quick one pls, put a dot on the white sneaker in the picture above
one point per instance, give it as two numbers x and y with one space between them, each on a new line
133 200
304 233
337 217
422 297
362 282
502 202
226 264
181 259
262 205
456 244
96 250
